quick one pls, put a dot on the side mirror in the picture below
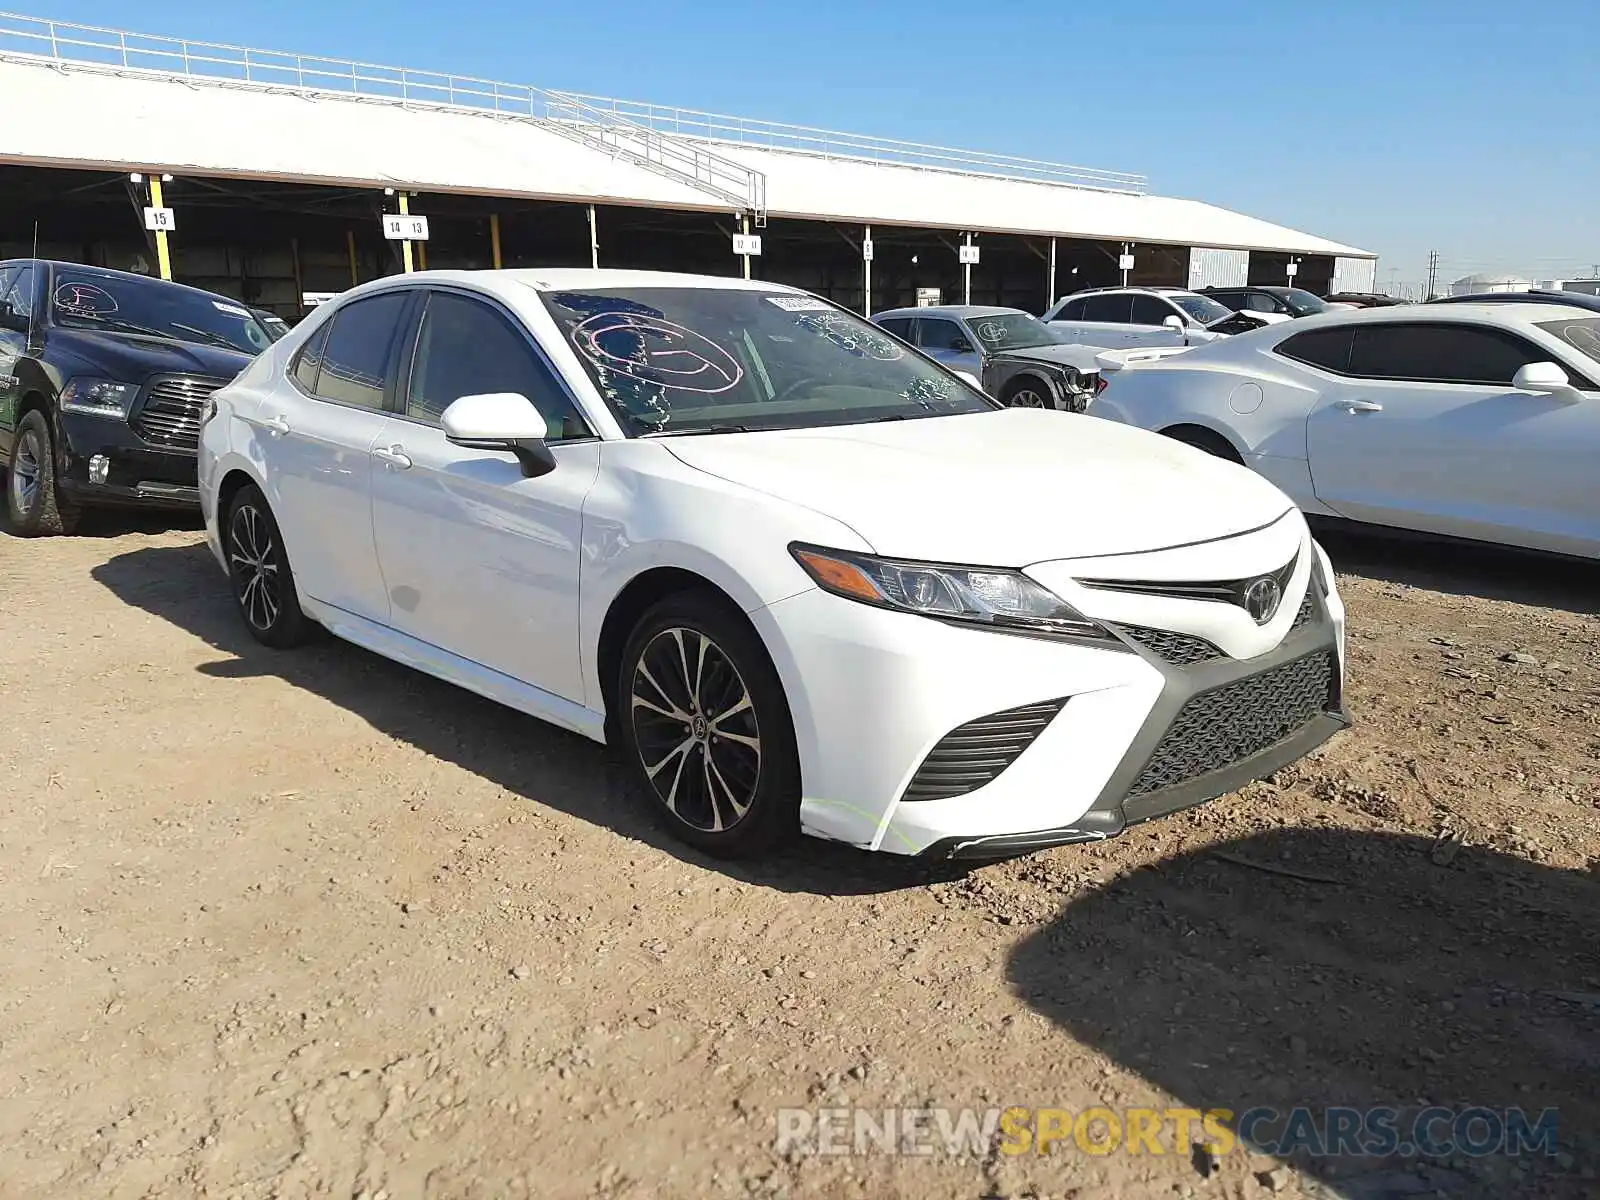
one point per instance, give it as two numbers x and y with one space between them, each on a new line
1545 379
501 421
11 319
1177 325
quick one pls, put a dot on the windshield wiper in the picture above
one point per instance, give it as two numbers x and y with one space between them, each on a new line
123 326
661 433
216 339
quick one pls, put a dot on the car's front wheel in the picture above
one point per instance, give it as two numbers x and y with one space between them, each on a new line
258 566
32 501
706 727
1028 392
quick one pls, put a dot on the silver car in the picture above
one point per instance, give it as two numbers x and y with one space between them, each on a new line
1013 355
1124 318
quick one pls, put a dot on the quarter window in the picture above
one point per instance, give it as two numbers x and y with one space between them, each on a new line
1439 353
305 366
1114 309
466 348
1325 348
1072 310
356 359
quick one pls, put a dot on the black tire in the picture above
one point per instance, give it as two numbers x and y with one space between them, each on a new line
1204 439
258 566
706 764
1027 392
34 504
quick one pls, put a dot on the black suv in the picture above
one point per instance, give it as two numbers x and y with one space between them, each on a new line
103 376
1289 301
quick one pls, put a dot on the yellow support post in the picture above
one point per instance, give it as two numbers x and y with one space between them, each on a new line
162 254
494 237
422 256
350 243
405 246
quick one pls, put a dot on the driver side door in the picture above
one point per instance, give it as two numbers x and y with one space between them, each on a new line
947 341
480 561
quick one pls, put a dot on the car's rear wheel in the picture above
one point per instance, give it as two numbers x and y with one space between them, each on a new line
258 565
1205 439
33 504
706 727
1028 392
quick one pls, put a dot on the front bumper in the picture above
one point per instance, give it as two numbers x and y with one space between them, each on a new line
139 476
1138 736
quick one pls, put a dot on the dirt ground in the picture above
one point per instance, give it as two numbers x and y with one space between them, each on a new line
307 924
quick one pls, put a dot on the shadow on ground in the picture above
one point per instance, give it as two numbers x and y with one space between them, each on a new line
1389 980
1462 568
114 522
183 585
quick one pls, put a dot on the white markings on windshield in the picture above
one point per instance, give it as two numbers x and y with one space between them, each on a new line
85 300
657 351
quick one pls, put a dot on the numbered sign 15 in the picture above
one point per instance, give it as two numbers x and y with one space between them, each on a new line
159 220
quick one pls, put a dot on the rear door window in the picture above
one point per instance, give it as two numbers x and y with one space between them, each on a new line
899 326
936 333
1115 309
1072 310
1325 348
356 360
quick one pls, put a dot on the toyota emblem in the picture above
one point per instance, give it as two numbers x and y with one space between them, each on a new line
1261 599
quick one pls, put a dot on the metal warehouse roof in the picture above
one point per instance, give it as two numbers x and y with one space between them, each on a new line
99 98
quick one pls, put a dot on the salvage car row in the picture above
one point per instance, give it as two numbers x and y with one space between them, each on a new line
745 534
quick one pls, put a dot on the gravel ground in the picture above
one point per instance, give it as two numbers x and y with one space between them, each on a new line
308 924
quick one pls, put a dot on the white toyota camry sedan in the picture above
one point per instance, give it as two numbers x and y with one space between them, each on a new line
804 577
1475 421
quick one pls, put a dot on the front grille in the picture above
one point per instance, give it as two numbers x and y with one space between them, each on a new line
1179 649
1218 728
974 754
170 416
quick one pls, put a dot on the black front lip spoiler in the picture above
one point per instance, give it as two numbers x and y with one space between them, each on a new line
1099 824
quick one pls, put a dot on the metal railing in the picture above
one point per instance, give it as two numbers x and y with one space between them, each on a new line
604 128
828 143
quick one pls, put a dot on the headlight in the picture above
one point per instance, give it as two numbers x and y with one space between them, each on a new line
1006 601
101 397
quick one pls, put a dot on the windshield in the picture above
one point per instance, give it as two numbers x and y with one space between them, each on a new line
1012 331
1581 333
705 360
84 298
1302 303
1202 308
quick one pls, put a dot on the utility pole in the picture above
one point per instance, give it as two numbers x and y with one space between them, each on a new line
1433 273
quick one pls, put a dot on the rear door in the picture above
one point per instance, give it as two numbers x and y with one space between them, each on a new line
1423 430
314 435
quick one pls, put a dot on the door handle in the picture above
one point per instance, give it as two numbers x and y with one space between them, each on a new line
1360 406
393 456
276 426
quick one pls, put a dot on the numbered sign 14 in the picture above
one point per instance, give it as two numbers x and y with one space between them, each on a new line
398 227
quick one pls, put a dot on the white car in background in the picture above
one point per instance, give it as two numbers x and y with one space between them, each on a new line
1477 421
751 539
1131 318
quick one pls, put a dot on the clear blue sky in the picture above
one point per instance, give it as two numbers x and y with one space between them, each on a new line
1401 126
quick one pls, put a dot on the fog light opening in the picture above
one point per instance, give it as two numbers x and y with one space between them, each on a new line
99 468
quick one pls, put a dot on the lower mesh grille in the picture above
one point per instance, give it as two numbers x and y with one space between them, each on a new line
1308 609
1180 649
1218 728
973 754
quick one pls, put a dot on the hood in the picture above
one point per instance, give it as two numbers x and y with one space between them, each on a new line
130 358
1006 488
1080 358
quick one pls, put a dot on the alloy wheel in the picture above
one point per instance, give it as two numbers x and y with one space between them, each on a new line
25 471
696 728
1028 397
252 555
